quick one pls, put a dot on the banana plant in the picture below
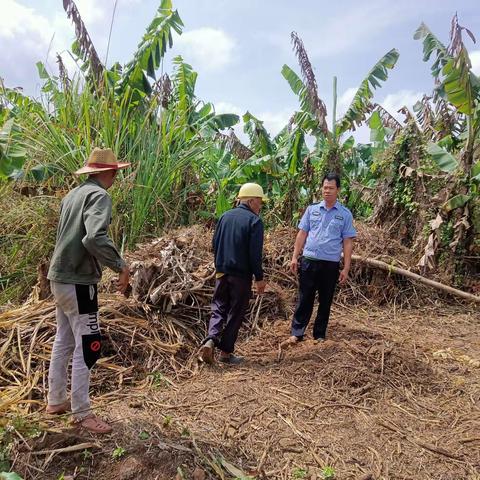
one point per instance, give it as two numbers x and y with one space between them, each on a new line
312 115
460 87
151 50
456 82
12 154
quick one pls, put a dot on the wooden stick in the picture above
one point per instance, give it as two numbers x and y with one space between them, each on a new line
418 278
72 448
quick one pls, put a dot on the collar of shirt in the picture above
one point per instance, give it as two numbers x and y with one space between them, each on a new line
324 205
95 181
246 207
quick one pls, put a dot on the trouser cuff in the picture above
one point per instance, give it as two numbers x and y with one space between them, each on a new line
52 400
215 340
81 415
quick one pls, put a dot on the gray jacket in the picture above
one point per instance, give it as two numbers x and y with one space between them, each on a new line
83 245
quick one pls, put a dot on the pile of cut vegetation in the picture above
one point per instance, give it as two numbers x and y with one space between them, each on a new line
159 327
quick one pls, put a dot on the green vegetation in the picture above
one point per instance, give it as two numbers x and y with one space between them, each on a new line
167 421
118 453
10 429
298 473
187 162
10 476
328 473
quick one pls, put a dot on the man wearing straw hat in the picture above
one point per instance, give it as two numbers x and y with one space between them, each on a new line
238 249
81 249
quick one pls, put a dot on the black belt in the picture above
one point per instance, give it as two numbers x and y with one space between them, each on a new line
317 260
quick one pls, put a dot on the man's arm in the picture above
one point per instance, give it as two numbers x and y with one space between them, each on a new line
215 235
348 234
96 218
256 249
297 249
347 259
256 255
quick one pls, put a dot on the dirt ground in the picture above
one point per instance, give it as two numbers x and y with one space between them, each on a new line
392 394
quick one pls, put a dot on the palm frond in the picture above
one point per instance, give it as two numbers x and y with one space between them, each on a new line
152 49
388 120
456 40
231 142
63 73
162 89
431 44
84 44
426 117
317 105
259 137
361 104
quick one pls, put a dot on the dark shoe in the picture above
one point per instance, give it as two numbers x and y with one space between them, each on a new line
205 353
231 359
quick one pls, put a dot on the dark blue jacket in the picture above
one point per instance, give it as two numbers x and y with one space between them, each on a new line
238 243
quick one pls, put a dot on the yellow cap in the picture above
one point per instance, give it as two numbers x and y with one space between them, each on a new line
251 190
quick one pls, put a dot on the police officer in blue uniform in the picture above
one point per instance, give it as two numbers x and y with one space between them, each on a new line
325 230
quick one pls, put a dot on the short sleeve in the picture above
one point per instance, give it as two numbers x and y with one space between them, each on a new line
348 228
305 221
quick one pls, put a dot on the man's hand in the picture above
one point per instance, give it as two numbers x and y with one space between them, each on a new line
294 265
343 276
123 278
260 287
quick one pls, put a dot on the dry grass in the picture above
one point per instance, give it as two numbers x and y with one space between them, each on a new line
394 392
385 397
26 240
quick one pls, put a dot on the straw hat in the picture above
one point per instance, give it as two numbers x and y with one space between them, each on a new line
101 160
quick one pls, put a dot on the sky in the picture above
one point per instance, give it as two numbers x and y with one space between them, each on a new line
238 47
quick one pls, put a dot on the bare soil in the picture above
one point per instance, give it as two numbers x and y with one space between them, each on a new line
392 394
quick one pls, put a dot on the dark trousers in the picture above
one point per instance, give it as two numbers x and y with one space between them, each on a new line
314 276
229 304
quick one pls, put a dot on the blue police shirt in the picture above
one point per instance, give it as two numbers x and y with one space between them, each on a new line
326 231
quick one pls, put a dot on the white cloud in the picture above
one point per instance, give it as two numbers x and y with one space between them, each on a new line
345 100
275 121
17 20
361 134
27 37
226 107
93 11
394 101
475 59
207 49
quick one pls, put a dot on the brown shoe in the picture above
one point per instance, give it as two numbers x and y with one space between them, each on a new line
289 342
205 353
59 409
93 424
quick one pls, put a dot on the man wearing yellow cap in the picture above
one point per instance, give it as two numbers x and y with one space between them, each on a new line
82 248
238 249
